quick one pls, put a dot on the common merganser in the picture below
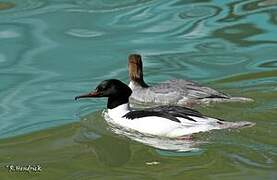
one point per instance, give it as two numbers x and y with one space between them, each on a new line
167 121
172 92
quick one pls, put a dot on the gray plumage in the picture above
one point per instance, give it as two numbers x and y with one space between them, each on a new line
172 92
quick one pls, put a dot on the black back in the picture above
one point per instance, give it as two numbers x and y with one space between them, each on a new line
168 112
143 113
177 111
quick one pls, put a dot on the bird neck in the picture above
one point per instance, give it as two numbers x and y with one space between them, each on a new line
119 111
136 75
138 82
116 101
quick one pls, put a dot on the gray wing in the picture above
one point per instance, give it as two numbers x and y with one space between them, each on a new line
183 88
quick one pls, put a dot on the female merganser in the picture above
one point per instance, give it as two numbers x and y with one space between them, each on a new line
167 121
172 92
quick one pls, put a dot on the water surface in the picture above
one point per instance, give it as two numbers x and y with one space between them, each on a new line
51 51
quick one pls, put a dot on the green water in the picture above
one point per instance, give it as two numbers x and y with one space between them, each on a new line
53 50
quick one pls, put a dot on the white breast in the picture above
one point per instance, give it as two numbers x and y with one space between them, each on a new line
149 125
158 125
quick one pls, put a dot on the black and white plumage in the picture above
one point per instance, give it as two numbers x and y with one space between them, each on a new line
168 121
172 92
170 112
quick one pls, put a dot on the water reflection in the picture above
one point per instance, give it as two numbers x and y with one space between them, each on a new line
83 33
190 65
91 150
95 127
53 50
109 150
108 5
269 64
240 34
6 5
16 8
184 2
196 12
238 10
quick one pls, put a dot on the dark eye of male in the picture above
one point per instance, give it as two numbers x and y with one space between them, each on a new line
102 88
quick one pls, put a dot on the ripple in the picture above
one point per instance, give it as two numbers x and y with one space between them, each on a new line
207 46
6 5
269 64
273 17
2 58
28 5
19 8
171 62
8 34
83 33
11 34
198 65
250 76
240 34
249 162
184 2
198 11
192 152
240 10
223 59
255 5
108 5
268 3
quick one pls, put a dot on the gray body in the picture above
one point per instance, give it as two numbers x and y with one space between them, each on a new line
179 92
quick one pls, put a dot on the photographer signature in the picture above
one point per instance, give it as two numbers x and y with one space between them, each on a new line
26 168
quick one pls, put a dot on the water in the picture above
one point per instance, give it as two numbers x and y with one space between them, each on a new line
51 51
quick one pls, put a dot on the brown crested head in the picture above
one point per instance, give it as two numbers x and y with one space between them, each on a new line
135 68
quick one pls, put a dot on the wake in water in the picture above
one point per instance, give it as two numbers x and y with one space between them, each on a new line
162 143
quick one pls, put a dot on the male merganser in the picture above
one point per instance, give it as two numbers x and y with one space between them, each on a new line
172 92
167 121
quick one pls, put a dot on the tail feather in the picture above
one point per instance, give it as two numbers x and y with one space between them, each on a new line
234 125
241 99
231 99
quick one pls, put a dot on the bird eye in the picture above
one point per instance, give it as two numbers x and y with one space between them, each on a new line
99 88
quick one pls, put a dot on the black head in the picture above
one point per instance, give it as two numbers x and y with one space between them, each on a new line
117 92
